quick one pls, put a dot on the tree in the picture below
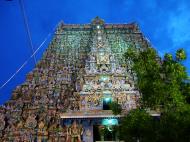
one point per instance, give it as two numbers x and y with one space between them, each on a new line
174 126
147 68
116 108
138 125
164 84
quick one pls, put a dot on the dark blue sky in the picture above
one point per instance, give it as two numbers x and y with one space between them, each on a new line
165 23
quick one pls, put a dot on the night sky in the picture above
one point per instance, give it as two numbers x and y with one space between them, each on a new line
165 23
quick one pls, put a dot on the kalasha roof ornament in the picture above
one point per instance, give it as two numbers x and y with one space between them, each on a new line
97 21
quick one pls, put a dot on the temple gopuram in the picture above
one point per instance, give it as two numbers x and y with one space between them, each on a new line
67 96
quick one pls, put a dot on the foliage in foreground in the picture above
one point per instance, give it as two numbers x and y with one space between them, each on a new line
116 108
164 85
162 82
138 125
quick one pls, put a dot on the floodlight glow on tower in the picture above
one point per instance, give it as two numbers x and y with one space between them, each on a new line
107 100
107 122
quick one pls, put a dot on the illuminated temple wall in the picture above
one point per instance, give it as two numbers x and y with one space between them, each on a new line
82 67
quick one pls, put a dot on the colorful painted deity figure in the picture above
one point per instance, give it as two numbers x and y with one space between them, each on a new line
2 122
75 132
88 134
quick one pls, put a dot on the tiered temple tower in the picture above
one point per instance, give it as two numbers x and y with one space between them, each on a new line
66 97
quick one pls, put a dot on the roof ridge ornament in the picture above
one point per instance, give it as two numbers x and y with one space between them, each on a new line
97 21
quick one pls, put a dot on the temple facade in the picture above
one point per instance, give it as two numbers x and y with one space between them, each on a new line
67 96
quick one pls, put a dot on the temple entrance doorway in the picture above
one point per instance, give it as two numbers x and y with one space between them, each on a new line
96 133
104 133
